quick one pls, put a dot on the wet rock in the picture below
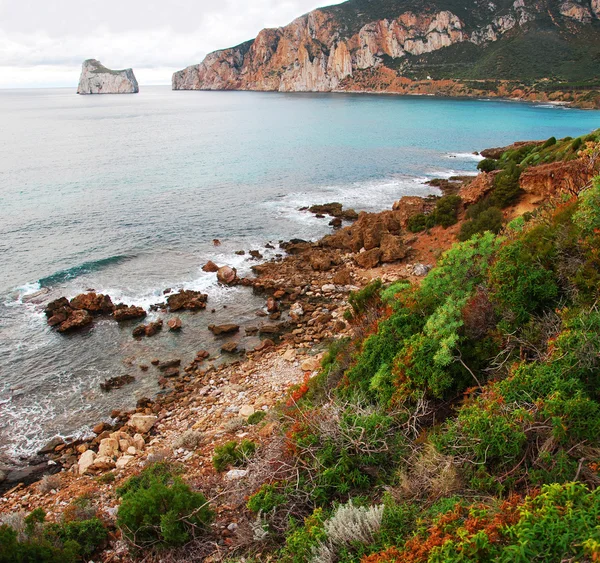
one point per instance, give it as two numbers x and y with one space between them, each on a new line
171 372
219 330
51 446
264 345
251 330
95 303
272 306
255 254
116 383
210 266
227 275
174 324
334 209
368 259
216 242
229 347
240 252
56 306
128 312
77 319
142 423
336 222
270 329
170 364
147 330
187 299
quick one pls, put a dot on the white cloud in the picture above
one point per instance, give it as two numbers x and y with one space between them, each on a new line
43 43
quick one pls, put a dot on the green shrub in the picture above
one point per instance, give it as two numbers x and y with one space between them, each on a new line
506 186
159 509
266 499
489 220
302 539
256 417
446 210
576 144
550 142
487 165
232 453
420 222
40 542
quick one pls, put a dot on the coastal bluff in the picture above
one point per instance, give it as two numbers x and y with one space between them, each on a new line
97 79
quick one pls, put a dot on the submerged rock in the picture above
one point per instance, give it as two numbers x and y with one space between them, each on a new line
218 330
97 79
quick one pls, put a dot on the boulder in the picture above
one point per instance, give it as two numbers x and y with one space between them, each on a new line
334 209
142 423
176 362
246 411
128 312
296 311
409 206
234 474
342 277
392 248
174 324
478 188
321 262
272 306
310 364
123 461
86 460
116 383
109 447
95 303
368 259
210 266
77 319
148 330
219 330
229 347
103 463
264 345
187 299
227 275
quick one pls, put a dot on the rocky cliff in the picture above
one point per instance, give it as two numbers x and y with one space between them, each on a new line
97 79
417 45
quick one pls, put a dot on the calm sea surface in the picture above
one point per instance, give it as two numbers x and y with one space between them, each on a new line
124 194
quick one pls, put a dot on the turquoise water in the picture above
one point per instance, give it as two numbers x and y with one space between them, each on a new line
124 194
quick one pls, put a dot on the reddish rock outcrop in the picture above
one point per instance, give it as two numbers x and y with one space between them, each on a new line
219 330
95 303
227 275
187 299
549 180
124 312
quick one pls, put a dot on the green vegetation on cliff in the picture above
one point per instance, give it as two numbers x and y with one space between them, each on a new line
462 422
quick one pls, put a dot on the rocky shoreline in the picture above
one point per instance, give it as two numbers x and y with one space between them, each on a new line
205 404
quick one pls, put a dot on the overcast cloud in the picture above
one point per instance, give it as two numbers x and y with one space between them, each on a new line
43 43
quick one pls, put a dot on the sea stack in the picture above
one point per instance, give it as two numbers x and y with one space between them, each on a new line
97 79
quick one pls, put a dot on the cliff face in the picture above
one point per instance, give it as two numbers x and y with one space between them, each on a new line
332 48
97 79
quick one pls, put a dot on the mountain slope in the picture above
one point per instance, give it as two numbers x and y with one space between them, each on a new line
385 45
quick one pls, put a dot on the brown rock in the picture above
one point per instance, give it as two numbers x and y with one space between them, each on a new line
272 306
219 330
77 319
334 209
187 299
392 248
321 262
227 275
210 266
368 259
342 277
115 383
128 312
174 324
478 188
265 344
56 306
229 347
95 303
169 364
409 206
336 222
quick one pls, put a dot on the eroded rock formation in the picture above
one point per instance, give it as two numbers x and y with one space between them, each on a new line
97 79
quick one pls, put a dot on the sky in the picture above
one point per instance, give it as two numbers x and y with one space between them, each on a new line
43 43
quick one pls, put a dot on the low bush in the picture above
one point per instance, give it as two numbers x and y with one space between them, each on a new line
487 165
159 509
490 219
266 498
40 542
233 453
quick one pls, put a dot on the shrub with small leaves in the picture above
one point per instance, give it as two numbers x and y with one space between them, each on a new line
233 453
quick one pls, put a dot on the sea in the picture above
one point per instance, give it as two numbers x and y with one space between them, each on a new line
124 195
